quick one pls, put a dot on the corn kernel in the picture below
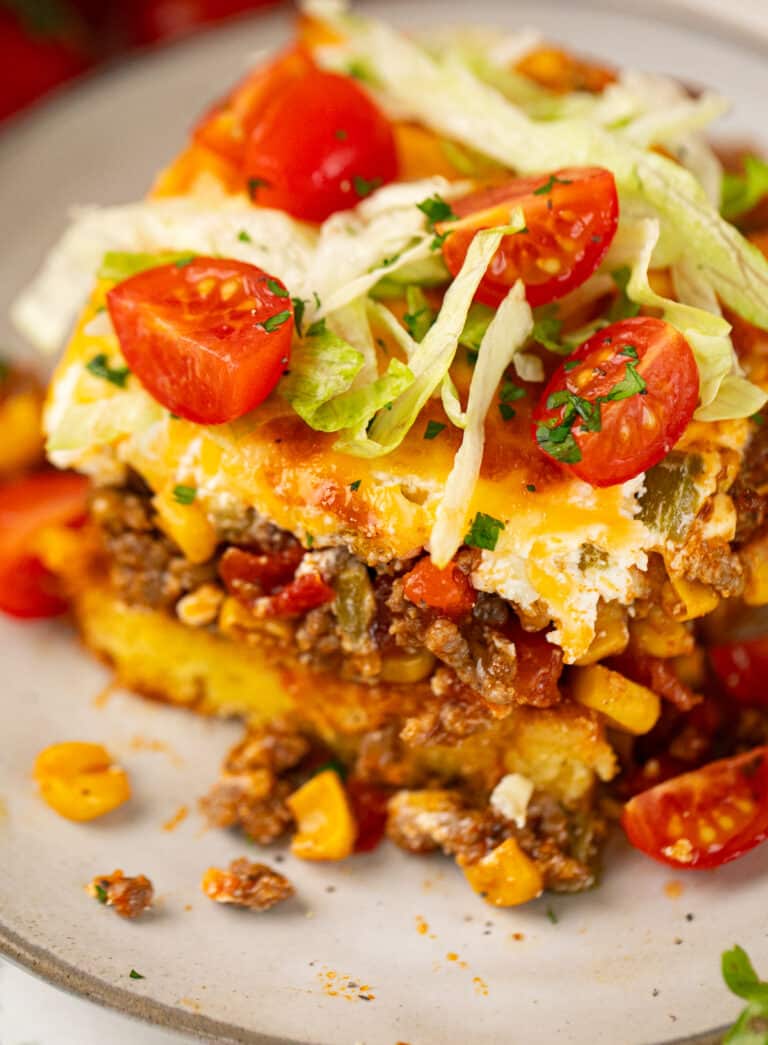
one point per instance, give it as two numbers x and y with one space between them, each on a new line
20 422
611 633
200 607
326 828
79 780
505 877
755 558
686 600
187 525
662 636
626 704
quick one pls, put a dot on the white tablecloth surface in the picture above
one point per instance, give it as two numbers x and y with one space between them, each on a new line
33 1013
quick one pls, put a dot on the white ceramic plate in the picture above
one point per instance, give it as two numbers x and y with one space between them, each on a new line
625 963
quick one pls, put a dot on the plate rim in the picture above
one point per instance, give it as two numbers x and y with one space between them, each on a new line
39 961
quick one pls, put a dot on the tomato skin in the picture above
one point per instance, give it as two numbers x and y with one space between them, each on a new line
539 665
318 146
35 64
635 432
448 590
250 575
369 808
742 669
580 209
305 592
195 336
681 821
27 589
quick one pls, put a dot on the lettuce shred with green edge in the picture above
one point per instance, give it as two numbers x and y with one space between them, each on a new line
118 265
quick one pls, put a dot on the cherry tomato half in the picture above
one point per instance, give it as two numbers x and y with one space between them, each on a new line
742 668
570 220
449 590
620 402
208 339
704 818
27 505
319 145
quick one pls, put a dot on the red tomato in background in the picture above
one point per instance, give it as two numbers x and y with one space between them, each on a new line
570 220
629 391
369 809
742 668
319 145
158 20
209 339
34 61
449 590
704 818
27 588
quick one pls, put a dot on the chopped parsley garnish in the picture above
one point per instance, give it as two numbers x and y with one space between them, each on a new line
359 70
740 977
436 210
386 262
309 539
355 485
759 419
530 487
552 916
244 236
547 330
136 975
631 384
277 289
621 306
433 429
101 893
340 134
184 260
184 494
484 532
254 184
570 364
507 412
510 392
273 322
548 185
299 307
317 300
99 367
419 317
317 328
364 187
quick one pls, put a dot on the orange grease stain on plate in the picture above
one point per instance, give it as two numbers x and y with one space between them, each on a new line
104 695
673 889
341 985
517 936
180 815
3 809
481 987
140 743
190 1003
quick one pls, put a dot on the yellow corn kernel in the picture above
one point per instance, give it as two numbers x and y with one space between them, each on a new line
661 636
407 667
200 607
20 422
628 706
187 525
505 877
611 633
692 668
79 780
687 600
755 558
326 828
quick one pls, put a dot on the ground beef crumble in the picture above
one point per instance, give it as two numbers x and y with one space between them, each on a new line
129 895
247 884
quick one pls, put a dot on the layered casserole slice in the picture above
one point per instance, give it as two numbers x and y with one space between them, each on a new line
421 407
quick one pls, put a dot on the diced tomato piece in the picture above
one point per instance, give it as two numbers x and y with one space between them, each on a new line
620 402
742 669
254 574
704 818
369 808
657 674
448 590
539 665
304 593
570 219
28 505
208 339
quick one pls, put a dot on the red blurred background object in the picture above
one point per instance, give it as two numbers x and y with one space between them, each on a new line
46 43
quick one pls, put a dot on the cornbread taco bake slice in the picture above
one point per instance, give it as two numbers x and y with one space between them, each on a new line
421 407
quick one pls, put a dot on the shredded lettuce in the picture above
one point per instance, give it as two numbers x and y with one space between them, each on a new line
447 97
431 360
508 331
117 265
82 426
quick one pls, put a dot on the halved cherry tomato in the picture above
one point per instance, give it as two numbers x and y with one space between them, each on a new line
449 590
208 339
369 808
304 593
742 668
704 818
620 402
570 220
27 588
319 145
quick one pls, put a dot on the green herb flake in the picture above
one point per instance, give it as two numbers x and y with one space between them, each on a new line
621 306
546 188
299 307
571 364
355 485
309 539
273 322
433 429
484 532
244 236
184 260
419 317
184 494
436 210
631 384
759 419
530 487
101 893
472 355
136 975
439 240
317 329
507 412
340 134
552 916
740 977
99 367
359 70
364 187
547 329
510 392
254 184
277 288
